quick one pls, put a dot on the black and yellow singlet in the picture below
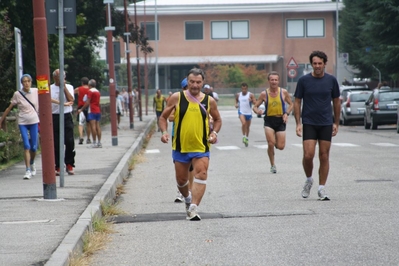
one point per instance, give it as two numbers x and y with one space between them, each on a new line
191 128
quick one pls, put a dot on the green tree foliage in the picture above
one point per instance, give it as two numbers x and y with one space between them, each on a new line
234 75
7 66
369 33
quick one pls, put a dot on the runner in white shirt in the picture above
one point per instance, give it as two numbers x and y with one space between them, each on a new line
244 101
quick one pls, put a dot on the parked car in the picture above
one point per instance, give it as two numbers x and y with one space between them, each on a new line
344 90
352 109
381 108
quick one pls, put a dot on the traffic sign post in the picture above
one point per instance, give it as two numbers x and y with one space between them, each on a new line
292 73
292 63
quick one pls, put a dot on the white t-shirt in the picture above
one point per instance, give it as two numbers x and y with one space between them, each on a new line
244 104
55 94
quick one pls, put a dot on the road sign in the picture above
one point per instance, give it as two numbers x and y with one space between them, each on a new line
292 73
292 63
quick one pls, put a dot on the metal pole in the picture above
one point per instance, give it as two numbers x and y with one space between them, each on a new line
156 49
62 84
145 64
129 67
336 41
111 71
138 63
46 122
379 74
18 57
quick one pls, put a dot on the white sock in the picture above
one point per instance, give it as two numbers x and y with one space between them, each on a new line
192 206
309 179
188 198
321 187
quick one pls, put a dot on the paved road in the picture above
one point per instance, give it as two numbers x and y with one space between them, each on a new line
253 217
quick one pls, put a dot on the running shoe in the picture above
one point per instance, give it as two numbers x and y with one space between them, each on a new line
57 171
306 188
80 141
99 145
88 141
179 197
69 169
33 169
192 214
322 194
273 169
245 141
27 175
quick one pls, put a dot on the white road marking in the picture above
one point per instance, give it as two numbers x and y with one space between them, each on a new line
261 146
153 151
385 144
28 222
345 145
297 145
226 148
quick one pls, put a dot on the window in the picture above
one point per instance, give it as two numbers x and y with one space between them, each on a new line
315 28
150 30
239 30
230 29
220 29
297 28
194 30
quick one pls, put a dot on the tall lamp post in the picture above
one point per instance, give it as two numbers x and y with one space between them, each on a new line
138 64
129 68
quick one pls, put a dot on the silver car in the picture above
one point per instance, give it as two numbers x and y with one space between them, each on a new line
352 110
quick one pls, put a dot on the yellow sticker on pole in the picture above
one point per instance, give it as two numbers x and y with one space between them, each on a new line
42 84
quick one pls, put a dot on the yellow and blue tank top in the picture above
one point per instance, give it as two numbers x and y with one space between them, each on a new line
159 103
191 125
275 106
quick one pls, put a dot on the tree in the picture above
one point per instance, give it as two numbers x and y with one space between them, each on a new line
368 32
7 66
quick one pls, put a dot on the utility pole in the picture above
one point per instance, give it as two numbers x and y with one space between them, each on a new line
129 68
46 121
111 71
138 62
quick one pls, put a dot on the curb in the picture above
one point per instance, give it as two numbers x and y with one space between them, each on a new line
73 241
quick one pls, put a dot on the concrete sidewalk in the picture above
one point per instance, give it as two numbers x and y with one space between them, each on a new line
44 232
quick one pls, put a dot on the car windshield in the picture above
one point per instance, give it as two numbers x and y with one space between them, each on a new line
360 97
389 96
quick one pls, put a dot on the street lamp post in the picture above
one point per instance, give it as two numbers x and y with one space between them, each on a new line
129 68
379 73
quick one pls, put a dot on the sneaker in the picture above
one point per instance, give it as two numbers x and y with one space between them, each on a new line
306 188
27 175
99 145
322 194
192 214
93 146
179 197
80 141
273 169
33 169
69 169
245 141
88 141
57 171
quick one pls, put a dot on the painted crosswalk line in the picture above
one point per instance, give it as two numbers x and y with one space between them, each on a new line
227 148
345 145
385 144
153 151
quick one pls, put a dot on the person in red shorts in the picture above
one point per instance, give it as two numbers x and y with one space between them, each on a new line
93 102
81 91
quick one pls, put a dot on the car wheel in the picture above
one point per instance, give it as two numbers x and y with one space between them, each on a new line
366 125
345 121
373 125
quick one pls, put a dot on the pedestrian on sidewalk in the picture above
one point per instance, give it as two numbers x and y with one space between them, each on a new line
68 97
119 107
125 97
27 101
191 138
93 103
276 115
315 92
244 102
81 91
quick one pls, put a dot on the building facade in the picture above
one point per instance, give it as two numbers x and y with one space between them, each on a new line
274 35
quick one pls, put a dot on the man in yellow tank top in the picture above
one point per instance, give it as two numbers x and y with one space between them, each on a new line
276 115
158 105
191 137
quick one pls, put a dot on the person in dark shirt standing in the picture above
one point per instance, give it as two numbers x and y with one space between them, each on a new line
315 91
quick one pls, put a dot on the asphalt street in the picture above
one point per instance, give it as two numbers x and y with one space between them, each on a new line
253 217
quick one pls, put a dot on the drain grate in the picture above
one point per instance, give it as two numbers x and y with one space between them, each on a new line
179 216
373 180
